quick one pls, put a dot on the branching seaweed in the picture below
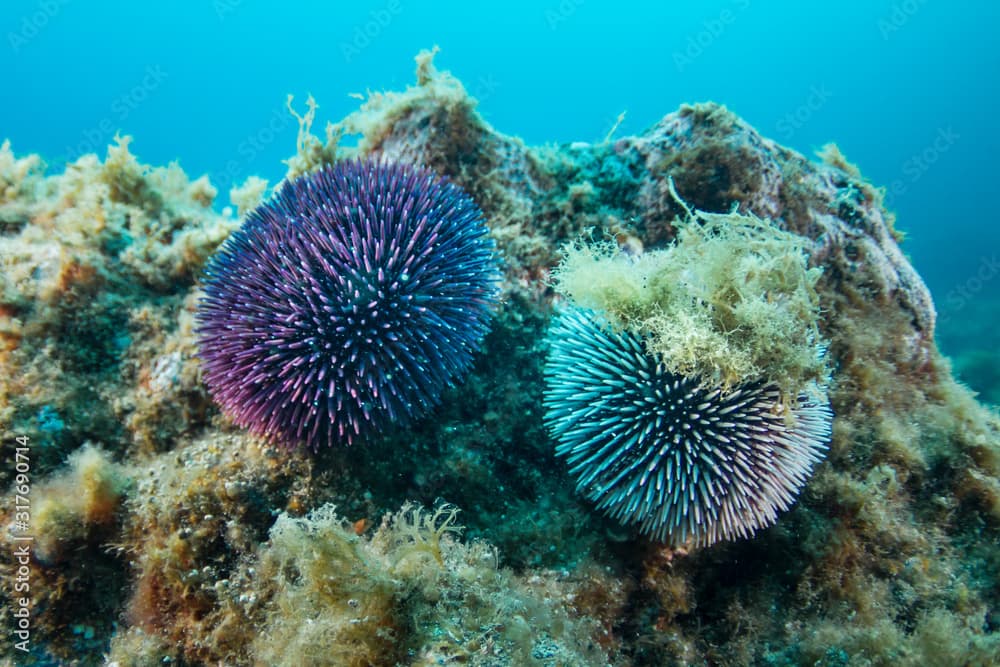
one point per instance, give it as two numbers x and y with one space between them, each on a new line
733 298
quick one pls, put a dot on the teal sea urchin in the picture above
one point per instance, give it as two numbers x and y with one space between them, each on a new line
661 451
351 299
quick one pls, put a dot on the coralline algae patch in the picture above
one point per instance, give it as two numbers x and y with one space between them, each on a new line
168 535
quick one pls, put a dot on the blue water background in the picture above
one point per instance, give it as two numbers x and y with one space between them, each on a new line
907 88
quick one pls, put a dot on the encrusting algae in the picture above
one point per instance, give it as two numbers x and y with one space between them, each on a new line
167 535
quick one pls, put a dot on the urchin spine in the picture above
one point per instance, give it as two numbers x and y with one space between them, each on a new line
350 300
661 451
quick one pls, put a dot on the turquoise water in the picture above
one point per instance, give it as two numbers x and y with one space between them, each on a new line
907 88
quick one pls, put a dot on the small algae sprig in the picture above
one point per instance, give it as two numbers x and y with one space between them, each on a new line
350 300
689 394
78 500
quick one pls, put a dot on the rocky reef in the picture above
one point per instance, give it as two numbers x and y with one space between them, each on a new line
163 534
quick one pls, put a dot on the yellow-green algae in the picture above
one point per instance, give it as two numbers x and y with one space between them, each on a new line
731 299
69 504
411 592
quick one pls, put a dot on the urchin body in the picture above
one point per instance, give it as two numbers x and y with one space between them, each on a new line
351 299
661 451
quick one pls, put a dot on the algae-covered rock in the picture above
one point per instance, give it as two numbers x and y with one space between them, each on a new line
173 537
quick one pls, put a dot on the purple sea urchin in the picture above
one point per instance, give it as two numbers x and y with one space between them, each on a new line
661 451
352 298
